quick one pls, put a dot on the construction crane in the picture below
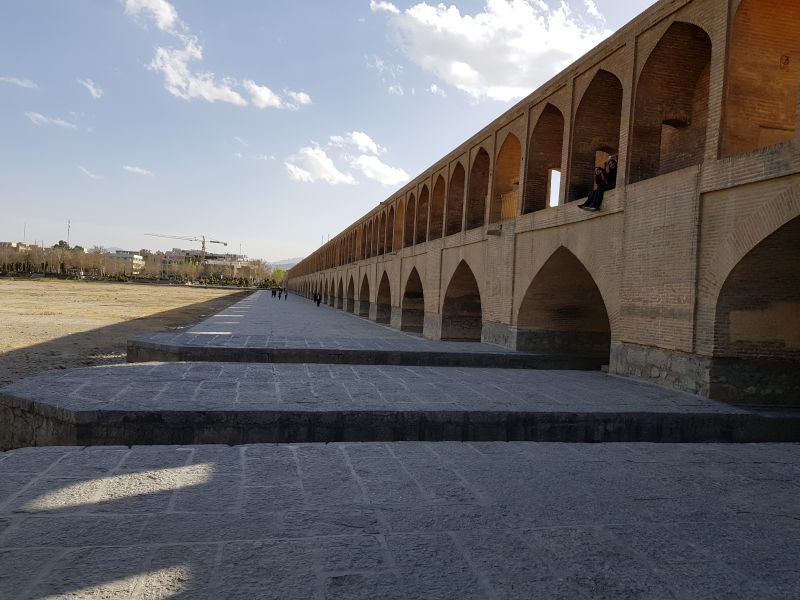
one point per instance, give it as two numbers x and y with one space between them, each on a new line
190 238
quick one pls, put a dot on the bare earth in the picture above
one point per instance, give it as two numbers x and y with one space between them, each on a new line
51 324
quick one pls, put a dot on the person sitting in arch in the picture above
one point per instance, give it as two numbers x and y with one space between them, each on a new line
605 178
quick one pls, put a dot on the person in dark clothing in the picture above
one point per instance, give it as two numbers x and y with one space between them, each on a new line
285 294
279 294
319 299
596 195
611 173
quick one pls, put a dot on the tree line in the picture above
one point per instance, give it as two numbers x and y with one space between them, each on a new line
61 260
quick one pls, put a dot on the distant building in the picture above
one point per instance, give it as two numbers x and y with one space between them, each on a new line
135 261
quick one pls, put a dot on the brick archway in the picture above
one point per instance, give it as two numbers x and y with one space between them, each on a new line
412 307
563 310
671 108
462 315
544 157
363 298
383 301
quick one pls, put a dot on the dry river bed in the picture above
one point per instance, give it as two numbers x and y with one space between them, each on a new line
53 324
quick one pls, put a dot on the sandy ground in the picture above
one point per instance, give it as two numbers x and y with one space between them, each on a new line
50 324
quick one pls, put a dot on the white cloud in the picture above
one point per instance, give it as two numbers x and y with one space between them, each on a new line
40 119
161 12
311 164
242 141
383 7
592 9
357 139
396 90
179 81
298 98
137 170
23 83
501 53
240 155
262 96
88 173
374 168
436 90
93 88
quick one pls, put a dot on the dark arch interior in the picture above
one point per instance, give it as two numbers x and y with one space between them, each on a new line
563 311
383 301
671 110
595 132
462 318
340 295
408 235
544 156
363 298
757 325
437 210
421 235
478 190
350 302
455 200
412 316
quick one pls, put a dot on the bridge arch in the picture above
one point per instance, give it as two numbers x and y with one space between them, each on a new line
671 108
563 310
350 301
411 216
399 220
478 189
340 294
412 306
757 324
505 189
762 76
421 235
595 131
455 200
462 314
390 231
383 301
544 157
363 297
382 234
437 209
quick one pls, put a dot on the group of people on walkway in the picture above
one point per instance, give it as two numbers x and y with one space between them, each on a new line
605 178
280 292
317 298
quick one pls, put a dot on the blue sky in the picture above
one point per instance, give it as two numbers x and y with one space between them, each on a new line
269 125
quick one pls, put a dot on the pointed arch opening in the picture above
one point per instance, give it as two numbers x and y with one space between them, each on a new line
383 301
399 221
478 190
671 108
390 247
563 311
762 76
340 295
595 133
412 317
462 315
437 209
411 216
363 298
421 235
350 301
757 325
455 200
505 190
543 174
382 235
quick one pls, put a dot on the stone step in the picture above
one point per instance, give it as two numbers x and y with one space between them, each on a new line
189 347
231 403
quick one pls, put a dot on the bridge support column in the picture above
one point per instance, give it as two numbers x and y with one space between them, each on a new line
679 370
432 326
396 319
373 311
501 334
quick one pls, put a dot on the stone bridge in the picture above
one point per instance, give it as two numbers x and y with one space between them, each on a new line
690 272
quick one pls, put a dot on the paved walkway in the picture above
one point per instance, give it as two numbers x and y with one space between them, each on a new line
265 329
232 403
402 521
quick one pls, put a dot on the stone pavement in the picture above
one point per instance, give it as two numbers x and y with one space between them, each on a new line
402 521
262 329
232 403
